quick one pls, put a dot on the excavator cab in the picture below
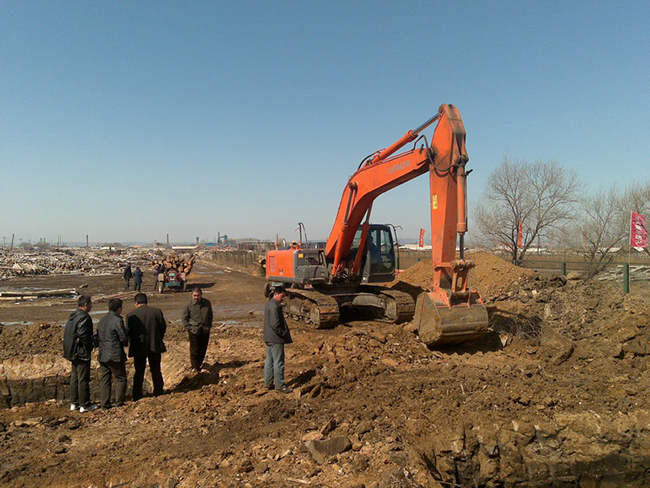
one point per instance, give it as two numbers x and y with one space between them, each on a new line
378 264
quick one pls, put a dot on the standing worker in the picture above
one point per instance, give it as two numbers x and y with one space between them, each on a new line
156 272
77 346
197 320
137 279
276 335
127 277
146 326
112 359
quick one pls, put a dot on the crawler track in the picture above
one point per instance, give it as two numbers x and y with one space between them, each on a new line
400 306
315 308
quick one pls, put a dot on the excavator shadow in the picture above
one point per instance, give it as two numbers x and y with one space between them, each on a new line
502 325
524 327
488 343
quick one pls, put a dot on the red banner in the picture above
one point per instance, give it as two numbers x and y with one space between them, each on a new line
520 235
421 240
638 234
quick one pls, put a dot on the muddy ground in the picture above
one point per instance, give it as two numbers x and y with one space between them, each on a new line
557 395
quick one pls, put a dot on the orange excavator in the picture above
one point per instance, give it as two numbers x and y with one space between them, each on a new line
359 255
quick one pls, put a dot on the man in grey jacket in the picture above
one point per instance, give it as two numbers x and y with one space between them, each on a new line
197 319
77 347
112 359
276 335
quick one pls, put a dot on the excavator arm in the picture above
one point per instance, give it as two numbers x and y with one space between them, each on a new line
450 312
445 160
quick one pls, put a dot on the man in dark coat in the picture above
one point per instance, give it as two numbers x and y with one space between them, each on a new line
197 319
112 359
127 277
146 326
77 346
137 278
156 272
276 335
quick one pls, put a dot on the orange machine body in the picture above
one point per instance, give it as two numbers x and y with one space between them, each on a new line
279 264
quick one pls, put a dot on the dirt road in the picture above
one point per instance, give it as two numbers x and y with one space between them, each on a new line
557 396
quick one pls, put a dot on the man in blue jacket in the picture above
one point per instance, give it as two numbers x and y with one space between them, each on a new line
112 358
276 335
77 346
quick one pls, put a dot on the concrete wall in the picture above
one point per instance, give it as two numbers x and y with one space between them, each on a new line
243 259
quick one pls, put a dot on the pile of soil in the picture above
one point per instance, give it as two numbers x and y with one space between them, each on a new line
17 340
557 395
491 276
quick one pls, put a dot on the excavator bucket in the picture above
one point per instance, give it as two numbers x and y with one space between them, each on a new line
439 325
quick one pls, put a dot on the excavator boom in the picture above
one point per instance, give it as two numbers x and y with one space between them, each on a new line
450 312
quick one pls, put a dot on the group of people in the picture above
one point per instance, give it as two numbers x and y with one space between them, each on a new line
136 275
143 333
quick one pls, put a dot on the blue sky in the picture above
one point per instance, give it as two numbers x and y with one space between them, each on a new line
127 121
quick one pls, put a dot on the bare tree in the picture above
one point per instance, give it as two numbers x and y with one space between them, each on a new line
605 224
540 198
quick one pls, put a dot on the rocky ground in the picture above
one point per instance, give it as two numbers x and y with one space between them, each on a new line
557 395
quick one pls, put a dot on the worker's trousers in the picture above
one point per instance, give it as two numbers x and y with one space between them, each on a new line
198 348
274 366
80 383
108 370
140 366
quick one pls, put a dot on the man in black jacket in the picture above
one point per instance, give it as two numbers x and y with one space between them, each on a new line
77 346
112 359
146 326
197 319
276 335
127 277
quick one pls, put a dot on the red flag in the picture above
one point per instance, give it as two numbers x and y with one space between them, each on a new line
638 234
520 235
421 241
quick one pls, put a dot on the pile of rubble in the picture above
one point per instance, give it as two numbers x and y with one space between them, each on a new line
641 273
70 261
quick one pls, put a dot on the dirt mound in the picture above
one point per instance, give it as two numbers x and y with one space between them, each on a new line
596 318
18 340
491 276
